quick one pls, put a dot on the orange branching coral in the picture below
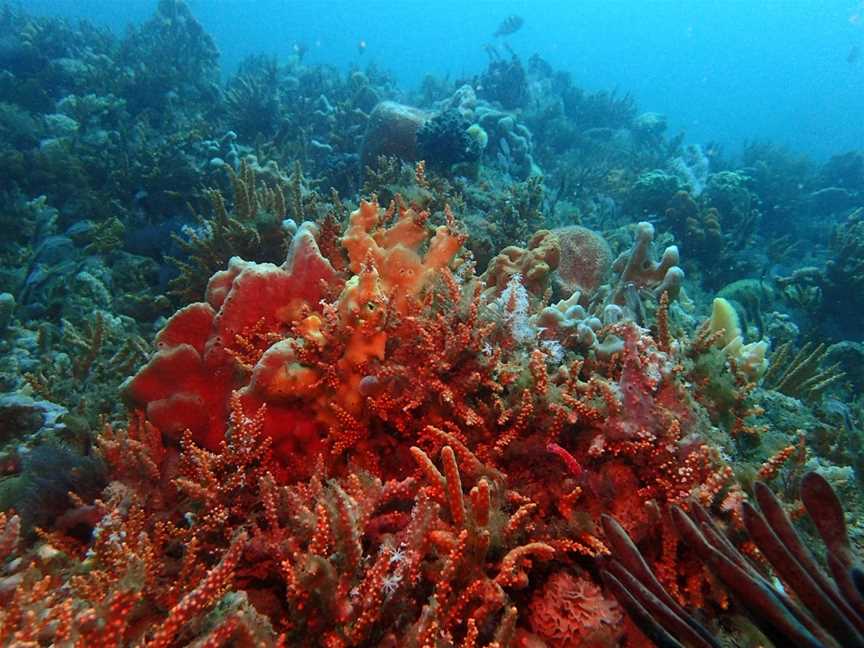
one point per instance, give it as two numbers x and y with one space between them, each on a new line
329 233
471 541
202 597
148 564
10 529
771 467
135 454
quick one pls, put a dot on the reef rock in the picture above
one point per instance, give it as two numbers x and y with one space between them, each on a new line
22 417
7 308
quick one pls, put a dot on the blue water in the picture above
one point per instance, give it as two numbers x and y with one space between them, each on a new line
723 71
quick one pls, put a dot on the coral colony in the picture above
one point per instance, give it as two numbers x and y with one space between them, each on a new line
430 388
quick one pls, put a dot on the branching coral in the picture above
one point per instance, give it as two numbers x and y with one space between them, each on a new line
81 366
801 375
139 572
519 211
252 98
253 229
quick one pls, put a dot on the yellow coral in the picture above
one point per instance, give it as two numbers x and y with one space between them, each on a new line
749 357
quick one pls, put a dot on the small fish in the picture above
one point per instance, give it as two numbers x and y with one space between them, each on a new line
361 46
572 464
854 55
510 25
300 50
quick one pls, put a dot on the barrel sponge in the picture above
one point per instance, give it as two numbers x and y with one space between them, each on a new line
392 130
585 259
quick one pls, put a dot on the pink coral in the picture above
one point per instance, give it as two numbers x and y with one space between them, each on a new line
571 612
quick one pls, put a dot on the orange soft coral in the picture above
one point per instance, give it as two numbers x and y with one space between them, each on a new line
394 249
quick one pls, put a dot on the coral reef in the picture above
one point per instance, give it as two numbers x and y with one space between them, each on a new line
425 345
293 373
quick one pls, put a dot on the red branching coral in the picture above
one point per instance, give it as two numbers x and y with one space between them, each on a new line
10 528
